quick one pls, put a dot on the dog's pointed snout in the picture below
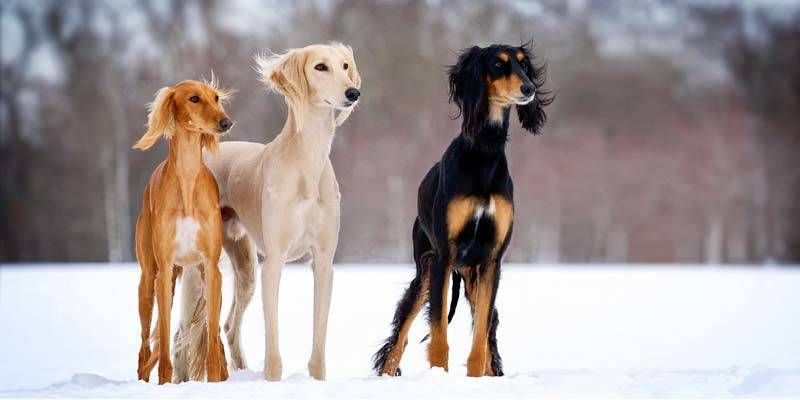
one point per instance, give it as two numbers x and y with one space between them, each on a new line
527 89
352 94
225 124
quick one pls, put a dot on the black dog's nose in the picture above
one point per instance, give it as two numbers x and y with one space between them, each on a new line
352 94
527 89
225 124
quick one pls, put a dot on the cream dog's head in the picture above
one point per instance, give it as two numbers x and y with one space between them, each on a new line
316 75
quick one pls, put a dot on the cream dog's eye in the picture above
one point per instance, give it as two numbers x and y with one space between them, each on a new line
345 66
321 67
194 99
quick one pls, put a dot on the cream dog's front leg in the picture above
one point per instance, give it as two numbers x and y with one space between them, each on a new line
270 282
322 252
275 238
322 264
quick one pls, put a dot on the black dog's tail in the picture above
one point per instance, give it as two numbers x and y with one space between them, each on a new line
453 301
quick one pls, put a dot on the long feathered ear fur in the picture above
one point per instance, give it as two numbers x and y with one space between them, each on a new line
468 91
285 74
532 115
160 119
352 73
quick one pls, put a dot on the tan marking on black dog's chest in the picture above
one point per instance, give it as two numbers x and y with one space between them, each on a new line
463 209
503 216
460 211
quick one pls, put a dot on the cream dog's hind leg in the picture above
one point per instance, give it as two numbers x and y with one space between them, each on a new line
242 254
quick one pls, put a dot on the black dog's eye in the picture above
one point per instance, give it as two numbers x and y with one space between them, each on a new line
345 66
194 99
321 67
498 64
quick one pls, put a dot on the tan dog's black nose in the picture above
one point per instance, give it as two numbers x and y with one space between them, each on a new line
225 124
352 94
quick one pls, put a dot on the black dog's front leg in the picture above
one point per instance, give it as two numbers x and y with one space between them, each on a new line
438 349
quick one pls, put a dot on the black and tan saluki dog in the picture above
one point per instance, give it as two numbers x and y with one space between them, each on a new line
466 209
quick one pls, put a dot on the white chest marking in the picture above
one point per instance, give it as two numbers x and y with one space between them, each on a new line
185 235
485 209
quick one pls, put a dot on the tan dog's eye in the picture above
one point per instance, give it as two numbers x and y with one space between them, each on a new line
194 99
345 66
321 67
216 98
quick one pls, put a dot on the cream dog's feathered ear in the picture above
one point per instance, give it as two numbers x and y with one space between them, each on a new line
160 119
285 74
352 73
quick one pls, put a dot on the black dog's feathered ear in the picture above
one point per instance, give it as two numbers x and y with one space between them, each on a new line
531 115
468 91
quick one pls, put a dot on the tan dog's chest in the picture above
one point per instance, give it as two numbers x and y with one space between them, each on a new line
187 251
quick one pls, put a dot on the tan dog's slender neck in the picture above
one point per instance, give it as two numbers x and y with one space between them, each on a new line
185 159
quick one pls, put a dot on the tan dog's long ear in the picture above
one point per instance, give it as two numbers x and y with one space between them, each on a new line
285 74
352 73
160 119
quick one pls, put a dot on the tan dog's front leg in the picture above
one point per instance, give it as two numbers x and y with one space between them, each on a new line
323 284
164 300
270 282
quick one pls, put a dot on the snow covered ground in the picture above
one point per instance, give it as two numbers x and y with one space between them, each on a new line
565 332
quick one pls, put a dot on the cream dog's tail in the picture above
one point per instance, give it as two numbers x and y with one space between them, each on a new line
190 344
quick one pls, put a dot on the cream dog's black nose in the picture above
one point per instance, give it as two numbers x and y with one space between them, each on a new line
225 124
352 94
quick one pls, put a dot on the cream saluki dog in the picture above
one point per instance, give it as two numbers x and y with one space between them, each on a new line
179 225
283 198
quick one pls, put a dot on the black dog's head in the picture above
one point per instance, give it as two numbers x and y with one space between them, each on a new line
498 76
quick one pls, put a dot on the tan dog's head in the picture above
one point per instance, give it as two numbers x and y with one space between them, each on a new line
191 106
316 75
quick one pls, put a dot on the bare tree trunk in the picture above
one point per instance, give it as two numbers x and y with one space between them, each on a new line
713 241
617 245
115 177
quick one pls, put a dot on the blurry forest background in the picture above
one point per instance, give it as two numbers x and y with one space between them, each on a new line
674 137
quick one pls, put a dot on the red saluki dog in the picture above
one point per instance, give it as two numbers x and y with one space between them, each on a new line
180 225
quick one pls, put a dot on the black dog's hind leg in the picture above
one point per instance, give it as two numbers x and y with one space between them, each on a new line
386 360
494 364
